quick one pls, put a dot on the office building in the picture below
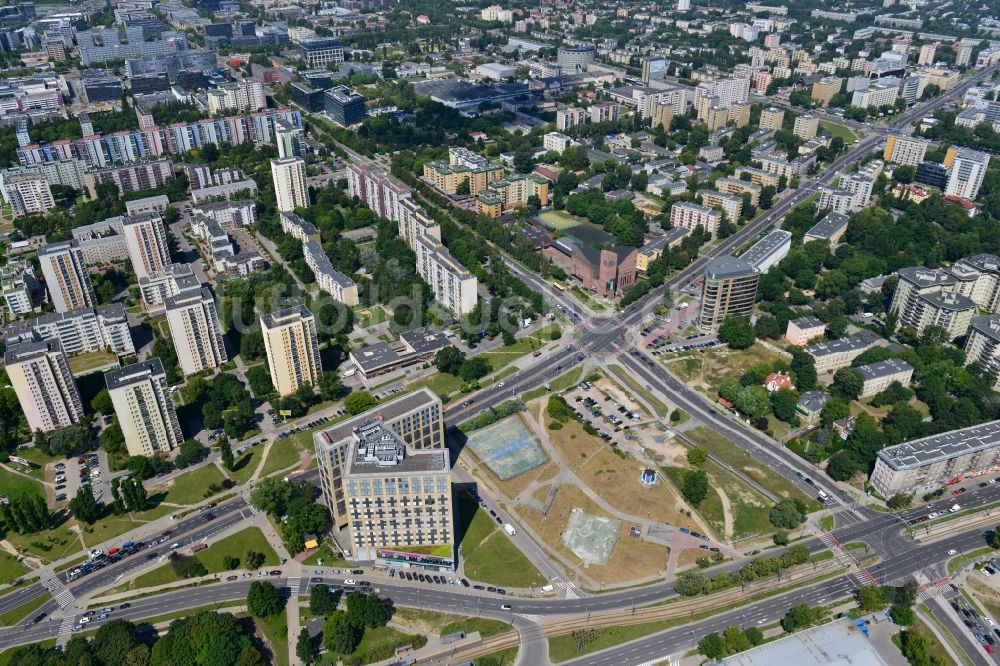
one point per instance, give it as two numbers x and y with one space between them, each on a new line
687 215
99 85
926 464
309 98
906 150
329 279
195 330
289 175
932 174
245 95
771 118
769 250
417 418
321 51
66 277
806 126
292 348
29 194
146 240
344 106
454 287
144 408
41 378
983 346
879 94
576 58
22 292
78 331
967 170
881 375
729 290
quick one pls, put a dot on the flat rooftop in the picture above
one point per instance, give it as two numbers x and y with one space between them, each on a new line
943 446
131 374
387 411
829 226
885 368
766 246
838 643
728 266
861 340
377 450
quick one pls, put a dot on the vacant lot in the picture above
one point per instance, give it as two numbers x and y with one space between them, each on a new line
706 370
491 557
191 487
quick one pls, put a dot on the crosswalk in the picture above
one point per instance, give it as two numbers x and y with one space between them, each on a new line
60 592
66 626
568 586
860 575
294 584
530 618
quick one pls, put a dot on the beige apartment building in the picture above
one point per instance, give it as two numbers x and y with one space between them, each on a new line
41 378
289 176
771 118
66 277
144 408
292 348
146 240
196 330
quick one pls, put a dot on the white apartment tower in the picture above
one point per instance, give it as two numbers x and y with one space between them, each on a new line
289 174
966 175
41 378
144 408
146 240
66 276
29 194
292 348
195 330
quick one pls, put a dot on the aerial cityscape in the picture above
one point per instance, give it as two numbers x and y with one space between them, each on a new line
499 334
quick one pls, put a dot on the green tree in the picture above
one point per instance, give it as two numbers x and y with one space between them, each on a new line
695 486
870 599
358 402
753 402
848 382
254 559
676 415
83 506
737 332
101 402
263 599
902 615
736 640
788 514
230 562
798 616
697 455
305 647
366 610
785 403
900 501
339 635
712 646
226 453
803 368
690 584
321 600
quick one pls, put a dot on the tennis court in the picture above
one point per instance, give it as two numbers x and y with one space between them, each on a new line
507 447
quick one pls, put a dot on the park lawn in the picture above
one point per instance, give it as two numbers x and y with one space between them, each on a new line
739 459
587 300
86 363
15 485
439 624
751 510
442 384
15 615
7 655
40 458
629 381
560 383
274 629
370 316
837 129
474 524
490 557
324 554
379 644
577 644
191 487
10 568
484 625
49 545
283 454
245 465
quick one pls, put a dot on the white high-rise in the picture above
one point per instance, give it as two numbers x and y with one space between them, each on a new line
683 5
289 176
144 408
41 378
195 330
146 240
66 276
967 170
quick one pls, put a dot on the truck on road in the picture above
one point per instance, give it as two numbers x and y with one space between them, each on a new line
509 529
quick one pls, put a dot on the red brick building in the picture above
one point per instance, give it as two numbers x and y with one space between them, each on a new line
605 272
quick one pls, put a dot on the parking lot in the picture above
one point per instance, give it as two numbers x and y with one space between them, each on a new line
612 419
68 475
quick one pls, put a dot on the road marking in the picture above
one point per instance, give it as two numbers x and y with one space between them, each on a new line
66 627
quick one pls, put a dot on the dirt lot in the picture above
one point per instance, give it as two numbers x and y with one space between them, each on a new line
706 370
631 558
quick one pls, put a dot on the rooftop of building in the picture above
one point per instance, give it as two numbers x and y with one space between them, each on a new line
936 448
424 340
27 350
766 246
988 325
829 226
728 267
808 322
838 642
885 368
132 374
284 317
324 265
377 450
859 341
949 300
923 277
385 411
186 298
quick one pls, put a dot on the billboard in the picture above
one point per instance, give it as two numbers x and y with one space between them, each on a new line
19 461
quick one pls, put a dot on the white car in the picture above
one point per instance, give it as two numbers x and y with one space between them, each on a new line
501 384
953 552
986 572
84 620
350 581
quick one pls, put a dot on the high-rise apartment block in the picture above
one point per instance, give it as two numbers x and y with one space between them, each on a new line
288 137
289 175
967 170
730 289
688 215
902 149
569 118
806 127
246 95
145 410
824 90
66 276
292 348
982 346
22 293
195 330
29 194
146 240
771 118
453 285
41 378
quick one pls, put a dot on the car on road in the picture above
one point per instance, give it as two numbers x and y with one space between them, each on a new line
274 572
315 580
505 607
350 581
102 616
952 552
232 578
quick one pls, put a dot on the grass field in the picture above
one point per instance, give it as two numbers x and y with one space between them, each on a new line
275 630
579 643
86 363
111 526
283 454
438 623
707 370
490 557
440 383
244 466
376 645
506 657
838 130
235 545
560 383
15 485
328 557
190 487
